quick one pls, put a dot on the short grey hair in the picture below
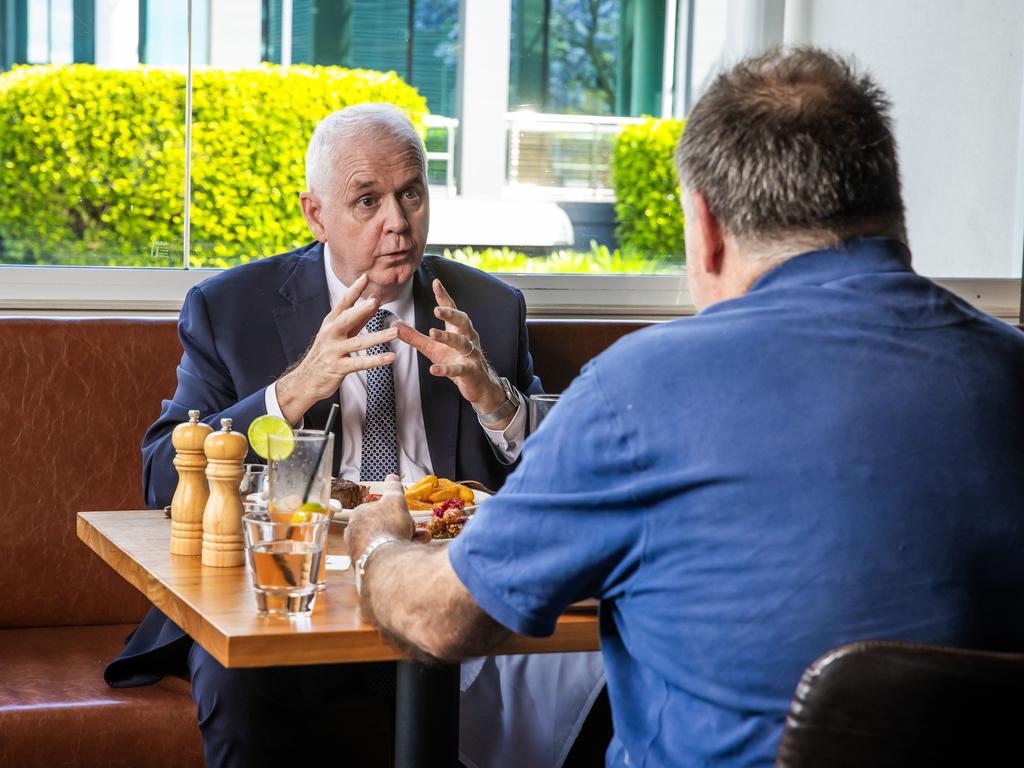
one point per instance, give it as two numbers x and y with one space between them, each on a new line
794 147
369 121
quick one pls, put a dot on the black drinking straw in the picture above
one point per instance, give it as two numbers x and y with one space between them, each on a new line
320 455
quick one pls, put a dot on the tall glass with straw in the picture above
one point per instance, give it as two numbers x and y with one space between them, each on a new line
299 476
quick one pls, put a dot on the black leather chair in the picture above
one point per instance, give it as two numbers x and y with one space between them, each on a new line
882 703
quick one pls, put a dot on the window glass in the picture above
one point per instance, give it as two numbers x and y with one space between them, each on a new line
435 53
100 149
587 57
585 77
549 124
253 115
91 158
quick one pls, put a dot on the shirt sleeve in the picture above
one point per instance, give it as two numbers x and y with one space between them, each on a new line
567 524
270 400
508 443
274 405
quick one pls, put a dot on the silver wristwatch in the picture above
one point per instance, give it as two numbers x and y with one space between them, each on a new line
373 546
506 409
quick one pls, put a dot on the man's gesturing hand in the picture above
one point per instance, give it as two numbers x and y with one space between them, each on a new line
455 352
329 359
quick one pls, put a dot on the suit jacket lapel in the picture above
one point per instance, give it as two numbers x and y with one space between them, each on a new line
305 290
439 397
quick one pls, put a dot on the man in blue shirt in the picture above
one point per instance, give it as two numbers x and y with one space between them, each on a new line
830 451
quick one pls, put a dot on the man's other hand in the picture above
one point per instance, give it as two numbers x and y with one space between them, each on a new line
329 359
456 354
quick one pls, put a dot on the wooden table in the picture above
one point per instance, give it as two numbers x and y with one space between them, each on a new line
216 607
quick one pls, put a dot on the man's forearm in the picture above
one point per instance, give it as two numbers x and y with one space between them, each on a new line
411 592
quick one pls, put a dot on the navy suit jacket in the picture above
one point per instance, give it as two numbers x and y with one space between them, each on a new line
242 328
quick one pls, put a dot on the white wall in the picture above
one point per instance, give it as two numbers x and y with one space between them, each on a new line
711 24
752 25
483 96
235 33
954 70
117 33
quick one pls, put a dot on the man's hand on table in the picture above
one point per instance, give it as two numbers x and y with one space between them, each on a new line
387 517
411 592
455 353
329 360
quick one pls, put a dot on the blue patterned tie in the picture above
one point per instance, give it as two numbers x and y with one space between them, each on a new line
380 428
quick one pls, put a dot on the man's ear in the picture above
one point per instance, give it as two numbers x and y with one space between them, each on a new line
712 249
312 212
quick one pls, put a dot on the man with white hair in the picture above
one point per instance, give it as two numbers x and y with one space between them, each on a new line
295 333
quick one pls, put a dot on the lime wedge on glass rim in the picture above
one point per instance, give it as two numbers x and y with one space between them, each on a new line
259 433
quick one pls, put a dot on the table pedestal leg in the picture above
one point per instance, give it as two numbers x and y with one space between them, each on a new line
427 716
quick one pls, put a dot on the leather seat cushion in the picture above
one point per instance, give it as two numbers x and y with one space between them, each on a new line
55 708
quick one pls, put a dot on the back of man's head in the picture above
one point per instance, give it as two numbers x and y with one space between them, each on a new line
794 151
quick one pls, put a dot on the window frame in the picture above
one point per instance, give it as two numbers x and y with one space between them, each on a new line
132 290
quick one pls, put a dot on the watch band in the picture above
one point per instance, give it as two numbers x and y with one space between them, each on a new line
506 409
373 546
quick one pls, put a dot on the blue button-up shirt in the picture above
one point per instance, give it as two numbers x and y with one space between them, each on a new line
836 455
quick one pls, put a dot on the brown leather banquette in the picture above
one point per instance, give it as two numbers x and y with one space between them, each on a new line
76 396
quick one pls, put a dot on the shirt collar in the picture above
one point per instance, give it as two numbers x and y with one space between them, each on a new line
857 256
402 307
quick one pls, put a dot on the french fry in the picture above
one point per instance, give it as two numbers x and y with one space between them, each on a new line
427 483
426 493
443 494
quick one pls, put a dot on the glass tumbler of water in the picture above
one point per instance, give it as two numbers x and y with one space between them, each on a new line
284 560
539 407
254 480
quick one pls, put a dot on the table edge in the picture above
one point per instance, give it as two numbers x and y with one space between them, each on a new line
572 632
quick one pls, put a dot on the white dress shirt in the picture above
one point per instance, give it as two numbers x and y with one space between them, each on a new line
413 454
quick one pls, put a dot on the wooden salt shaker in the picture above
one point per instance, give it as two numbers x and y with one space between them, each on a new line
192 491
223 544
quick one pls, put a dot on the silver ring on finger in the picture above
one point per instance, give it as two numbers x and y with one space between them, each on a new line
472 349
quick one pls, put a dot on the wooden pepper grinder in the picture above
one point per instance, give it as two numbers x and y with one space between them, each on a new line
223 543
192 492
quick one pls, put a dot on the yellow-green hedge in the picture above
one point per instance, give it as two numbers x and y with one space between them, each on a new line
92 160
649 218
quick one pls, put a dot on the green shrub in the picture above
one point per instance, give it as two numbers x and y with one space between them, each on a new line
647 211
92 161
598 260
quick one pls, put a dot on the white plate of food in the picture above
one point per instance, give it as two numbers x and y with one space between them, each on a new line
346 495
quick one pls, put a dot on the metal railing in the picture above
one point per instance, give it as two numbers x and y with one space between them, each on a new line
435 124
562 155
